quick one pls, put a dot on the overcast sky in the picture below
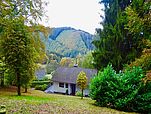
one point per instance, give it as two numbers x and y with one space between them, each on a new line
79 14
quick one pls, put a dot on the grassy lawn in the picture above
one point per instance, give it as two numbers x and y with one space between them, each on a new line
38 102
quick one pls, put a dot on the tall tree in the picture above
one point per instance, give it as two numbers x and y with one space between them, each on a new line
139 23
116 45
18 50
139 18
17 39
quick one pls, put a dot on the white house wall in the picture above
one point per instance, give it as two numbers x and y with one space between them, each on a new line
60 89
55 88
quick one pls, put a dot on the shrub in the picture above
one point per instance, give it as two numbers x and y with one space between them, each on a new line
131 82
39 82
142 102
79 93
103 87
41 87
124 91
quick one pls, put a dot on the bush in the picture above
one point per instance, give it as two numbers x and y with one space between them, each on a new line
41 87
124 91
142 102
39 82
79 93
103 87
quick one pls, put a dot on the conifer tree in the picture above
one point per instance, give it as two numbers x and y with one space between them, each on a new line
116 45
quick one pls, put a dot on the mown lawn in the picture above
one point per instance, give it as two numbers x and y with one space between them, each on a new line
38 102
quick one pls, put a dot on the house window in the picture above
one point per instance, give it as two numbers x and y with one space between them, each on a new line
61 85
66 85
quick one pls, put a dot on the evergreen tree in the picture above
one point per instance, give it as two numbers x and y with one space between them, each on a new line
116 45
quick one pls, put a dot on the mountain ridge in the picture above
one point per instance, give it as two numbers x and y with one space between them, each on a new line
68 41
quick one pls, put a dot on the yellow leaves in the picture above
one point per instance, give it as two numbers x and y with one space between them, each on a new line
148 77
82 80
145 61
66 62
134 22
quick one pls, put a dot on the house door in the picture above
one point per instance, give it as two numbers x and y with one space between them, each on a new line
73 89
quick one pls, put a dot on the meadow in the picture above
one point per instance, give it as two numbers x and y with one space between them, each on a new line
38 102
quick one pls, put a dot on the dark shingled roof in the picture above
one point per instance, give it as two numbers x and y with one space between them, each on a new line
69 75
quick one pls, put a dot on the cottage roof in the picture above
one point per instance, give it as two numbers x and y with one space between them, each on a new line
69 75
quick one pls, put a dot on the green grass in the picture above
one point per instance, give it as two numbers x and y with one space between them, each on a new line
37 102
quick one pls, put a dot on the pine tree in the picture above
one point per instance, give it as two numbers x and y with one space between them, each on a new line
116 45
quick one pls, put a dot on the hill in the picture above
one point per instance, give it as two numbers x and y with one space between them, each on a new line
68 42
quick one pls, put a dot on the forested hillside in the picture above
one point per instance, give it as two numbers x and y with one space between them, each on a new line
68 41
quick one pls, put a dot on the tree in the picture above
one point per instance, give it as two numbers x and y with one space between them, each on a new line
31 10
139 18
51 66
144 61
17 39
82 81
87 61
66 62
139 24
117 45
2 70
18 51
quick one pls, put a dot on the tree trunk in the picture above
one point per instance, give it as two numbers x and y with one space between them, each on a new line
82 94
18 84
25 89
2 81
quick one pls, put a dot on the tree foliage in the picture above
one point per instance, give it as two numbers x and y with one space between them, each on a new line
18 51
144 61
139 18
82 81
87 61
2 71
118 44
66 62
31 10
17 41
139 23
51 66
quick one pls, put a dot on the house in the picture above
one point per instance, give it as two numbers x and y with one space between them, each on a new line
64 80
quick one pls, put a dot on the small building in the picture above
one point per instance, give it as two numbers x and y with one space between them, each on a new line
64 80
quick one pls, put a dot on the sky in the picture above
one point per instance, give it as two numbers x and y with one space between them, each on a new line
79 14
